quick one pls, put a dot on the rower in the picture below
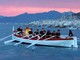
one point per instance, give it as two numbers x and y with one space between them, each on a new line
20 30
27 30
58 34
37 31
30 33
54 34
48 34
42 32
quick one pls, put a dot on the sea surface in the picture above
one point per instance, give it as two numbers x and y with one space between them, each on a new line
20 52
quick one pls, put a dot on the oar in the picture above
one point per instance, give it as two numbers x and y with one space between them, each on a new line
5 37
48 38
32 44
6 42
35 41
18 43
33 37
22 41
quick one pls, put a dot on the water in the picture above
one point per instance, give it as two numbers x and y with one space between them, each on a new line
11 52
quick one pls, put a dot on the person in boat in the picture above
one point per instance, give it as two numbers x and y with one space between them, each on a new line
30 33
26 31
58 34
36 32
42 32
70 33
54 34
20 30
48 34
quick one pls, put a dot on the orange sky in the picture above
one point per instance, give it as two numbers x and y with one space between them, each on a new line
16 7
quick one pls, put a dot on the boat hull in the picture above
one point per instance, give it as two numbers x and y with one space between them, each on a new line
60 43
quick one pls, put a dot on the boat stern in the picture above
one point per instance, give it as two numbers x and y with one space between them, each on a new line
75 42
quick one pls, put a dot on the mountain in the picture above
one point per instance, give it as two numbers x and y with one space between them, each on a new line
2 16
25 17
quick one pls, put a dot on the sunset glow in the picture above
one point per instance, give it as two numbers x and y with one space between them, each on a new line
13 7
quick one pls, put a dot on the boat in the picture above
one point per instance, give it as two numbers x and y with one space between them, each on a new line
63 41
58 42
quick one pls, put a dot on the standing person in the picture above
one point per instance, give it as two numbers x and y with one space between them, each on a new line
70 33
20 30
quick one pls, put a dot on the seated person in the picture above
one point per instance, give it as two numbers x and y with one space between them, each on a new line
30 33
42 32
37 31
54 34
48 34
27 31
58 34
20 31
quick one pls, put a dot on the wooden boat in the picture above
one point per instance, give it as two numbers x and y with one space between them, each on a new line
60 42
63 41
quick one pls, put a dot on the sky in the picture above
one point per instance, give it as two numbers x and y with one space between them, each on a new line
16 7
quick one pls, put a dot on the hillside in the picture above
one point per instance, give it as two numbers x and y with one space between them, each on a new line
25 17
